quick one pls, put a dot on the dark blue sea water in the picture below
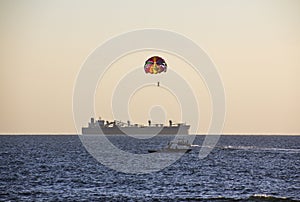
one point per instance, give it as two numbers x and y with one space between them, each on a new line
241 168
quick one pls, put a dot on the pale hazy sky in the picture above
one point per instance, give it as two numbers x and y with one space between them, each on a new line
255 45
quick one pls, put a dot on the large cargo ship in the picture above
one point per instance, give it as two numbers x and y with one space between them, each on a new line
118 128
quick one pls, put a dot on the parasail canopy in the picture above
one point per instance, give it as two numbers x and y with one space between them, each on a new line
155 65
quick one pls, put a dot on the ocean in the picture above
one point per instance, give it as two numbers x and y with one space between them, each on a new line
240 168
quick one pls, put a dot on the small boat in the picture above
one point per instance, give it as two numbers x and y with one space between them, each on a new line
179 145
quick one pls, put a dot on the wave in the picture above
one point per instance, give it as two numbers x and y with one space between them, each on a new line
251 198
266 197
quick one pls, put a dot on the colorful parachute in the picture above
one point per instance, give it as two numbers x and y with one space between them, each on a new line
155 65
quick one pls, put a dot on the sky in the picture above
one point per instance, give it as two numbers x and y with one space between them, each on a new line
255 46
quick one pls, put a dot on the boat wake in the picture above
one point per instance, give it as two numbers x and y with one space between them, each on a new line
254 148
195 145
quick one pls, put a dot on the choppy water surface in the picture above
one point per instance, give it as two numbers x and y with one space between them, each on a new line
58 168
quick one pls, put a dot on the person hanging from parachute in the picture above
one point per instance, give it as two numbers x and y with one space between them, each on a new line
155 65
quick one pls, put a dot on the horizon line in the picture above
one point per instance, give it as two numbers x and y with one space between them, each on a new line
201 134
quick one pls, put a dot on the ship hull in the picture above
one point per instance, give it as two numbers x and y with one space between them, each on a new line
170 150
166 130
